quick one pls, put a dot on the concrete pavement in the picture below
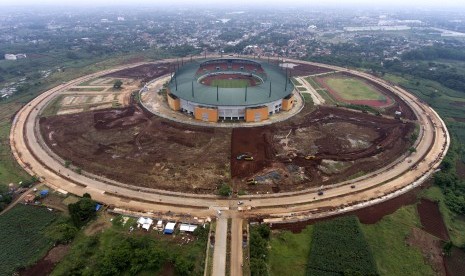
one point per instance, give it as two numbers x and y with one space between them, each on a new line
219 253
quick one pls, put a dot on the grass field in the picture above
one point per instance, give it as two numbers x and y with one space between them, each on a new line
22 239
230 83
387 242
10 171
289 252
353 89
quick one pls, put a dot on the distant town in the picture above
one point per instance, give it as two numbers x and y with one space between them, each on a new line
59 35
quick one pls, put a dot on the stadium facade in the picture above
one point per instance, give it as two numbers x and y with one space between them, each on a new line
230 89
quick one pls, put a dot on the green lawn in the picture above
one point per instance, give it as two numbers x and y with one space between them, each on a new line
387 242
10 171
22 239
289 252
353 89
230 83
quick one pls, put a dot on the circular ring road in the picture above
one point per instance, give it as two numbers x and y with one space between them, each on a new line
397 178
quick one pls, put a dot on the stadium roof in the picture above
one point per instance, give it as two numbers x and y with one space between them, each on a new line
186 80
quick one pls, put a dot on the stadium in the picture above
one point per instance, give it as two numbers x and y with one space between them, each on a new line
230 89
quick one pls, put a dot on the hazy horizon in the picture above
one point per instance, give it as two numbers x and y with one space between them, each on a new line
245 4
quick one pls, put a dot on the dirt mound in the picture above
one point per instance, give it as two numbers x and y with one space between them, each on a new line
431 219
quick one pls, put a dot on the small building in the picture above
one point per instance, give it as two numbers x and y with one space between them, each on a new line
43 193
29 198
145 223
10 57
187 227
14 57
159 225
169 228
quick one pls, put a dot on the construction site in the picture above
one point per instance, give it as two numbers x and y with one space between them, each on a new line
319 146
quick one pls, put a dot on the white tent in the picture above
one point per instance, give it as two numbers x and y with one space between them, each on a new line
169 228
145 223
187 227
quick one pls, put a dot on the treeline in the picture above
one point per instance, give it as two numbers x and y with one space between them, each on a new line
259 239
452 186
435 52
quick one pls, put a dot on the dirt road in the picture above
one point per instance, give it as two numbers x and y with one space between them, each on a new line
236 247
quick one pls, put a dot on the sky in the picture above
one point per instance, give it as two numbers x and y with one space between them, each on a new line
385 3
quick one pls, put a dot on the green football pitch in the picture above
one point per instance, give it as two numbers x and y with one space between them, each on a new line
353 89
230 83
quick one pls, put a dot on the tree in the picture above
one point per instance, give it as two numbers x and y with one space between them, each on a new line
62 232
224 190
82 211
118 84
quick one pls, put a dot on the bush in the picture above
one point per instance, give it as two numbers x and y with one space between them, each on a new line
224 190
62 232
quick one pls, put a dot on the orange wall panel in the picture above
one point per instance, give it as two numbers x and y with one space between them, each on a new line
288 103
206 114
174 103
256 114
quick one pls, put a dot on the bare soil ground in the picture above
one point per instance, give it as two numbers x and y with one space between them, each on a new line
340 144
130 146
431 219
46 264
430 247
455 264
306 69
144 72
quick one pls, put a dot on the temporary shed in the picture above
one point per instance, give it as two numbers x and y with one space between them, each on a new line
187 227
43 193
145 223
159 226
169 228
